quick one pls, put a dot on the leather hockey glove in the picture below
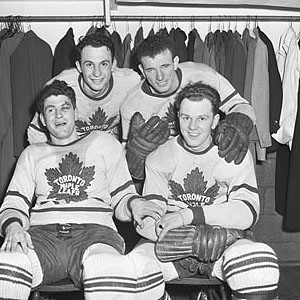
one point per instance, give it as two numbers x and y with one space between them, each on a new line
206 243
143 138
232 137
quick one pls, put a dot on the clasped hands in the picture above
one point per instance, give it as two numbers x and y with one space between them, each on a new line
163 221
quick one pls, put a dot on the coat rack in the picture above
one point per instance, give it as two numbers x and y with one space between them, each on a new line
106 20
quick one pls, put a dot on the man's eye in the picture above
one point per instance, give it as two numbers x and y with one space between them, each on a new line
66 107
105 64
49 110
88 65
150 71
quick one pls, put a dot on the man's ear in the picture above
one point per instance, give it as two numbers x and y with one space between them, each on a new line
78 66
114 65
41 116
176 62
215 121
76 113
141 69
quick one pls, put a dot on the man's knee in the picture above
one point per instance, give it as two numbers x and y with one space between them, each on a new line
251 270
15 275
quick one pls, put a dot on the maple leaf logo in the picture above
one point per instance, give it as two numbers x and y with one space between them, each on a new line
172 120
194 192
70 181
98 121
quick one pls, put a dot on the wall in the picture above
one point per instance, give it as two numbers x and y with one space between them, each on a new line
269 227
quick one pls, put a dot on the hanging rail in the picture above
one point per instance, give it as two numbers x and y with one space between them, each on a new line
151 18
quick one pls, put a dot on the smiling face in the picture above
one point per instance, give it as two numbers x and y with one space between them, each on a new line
196 120
96 65
160 72
59 117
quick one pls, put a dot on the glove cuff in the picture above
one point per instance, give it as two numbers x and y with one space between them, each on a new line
136 165
240 121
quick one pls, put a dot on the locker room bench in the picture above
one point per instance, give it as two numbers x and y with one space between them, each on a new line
196 283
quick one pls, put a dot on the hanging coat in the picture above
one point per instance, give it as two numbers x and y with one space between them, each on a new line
119 55
211 45
127 50
250 46
260 96
31 67
64 53
291 220
139 37
190 45
201 53
275 88
7 160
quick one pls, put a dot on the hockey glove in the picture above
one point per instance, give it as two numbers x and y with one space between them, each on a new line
144 137
206 243
232 137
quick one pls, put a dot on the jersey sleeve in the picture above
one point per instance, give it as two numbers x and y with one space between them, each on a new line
155 190
125 122
20 193
231 100
241 210
121 186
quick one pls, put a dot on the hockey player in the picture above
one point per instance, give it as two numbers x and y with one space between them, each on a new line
56 217
210 205
100 88
149 106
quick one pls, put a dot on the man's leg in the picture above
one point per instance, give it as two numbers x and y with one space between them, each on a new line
19 272
108 275
250 269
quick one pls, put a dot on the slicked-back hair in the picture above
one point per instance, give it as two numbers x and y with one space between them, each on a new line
153 45
197 92
95 40
56 88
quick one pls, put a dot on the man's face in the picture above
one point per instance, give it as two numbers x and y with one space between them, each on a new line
96 65
196 120
59 117
160 72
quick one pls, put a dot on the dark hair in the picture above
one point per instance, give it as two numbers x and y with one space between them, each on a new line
95 40
197 92
153 45
56 88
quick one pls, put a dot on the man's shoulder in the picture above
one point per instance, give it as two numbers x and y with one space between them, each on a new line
104 137
35 149
125 74
134 96
194 66
70 76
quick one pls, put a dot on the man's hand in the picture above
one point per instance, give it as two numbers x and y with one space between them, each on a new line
173 220
17 239
141 208
143 138
232 137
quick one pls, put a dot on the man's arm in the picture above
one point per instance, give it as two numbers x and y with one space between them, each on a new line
232 134
127 204
14 212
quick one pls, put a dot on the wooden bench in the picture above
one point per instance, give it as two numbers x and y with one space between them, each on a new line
193 283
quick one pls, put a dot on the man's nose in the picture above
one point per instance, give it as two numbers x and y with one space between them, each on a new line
97 71
193 124
159 75
58 113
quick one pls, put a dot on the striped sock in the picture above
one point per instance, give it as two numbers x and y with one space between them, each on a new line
110 276
251 270
15 276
